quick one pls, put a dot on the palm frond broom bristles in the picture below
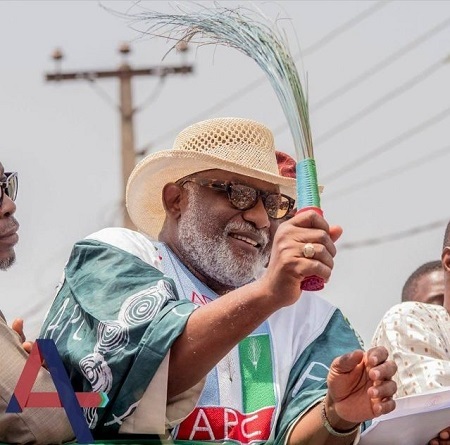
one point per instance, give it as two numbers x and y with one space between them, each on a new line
266 46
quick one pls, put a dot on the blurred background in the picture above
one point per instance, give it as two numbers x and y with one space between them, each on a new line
378 81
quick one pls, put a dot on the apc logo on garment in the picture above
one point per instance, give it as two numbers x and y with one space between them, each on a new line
65 396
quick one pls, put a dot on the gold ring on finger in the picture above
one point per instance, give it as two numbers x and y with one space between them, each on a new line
308 250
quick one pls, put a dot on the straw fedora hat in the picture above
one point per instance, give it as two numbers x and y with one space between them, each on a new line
236 145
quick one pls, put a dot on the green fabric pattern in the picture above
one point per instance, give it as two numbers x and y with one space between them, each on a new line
256 370
115 347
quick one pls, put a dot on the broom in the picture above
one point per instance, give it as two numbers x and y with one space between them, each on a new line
258 40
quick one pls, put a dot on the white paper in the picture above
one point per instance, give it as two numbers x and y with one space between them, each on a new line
415 420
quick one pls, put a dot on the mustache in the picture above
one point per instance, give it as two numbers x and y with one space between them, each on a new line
261 235
11 224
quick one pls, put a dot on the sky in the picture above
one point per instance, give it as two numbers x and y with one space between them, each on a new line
378 85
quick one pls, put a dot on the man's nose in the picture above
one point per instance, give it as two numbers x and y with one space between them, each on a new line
8 206
257 215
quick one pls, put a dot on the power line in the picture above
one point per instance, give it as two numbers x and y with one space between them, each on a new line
158 88
103 94
391 95
384 63
353 83
389 174
388 145
394 236
110 101
344 27
239 94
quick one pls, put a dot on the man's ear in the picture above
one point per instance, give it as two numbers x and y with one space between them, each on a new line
171 197
445 258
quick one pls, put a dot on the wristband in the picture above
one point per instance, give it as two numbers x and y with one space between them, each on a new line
331 430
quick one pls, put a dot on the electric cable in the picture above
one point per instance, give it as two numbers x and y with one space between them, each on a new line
368 242
383 100
379 66
389 174
383 148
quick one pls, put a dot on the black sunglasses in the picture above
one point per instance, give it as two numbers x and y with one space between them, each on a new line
9 187
244 197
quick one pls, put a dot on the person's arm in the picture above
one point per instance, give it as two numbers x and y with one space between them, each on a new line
214 329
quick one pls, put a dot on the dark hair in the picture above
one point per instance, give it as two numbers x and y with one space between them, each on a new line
410 286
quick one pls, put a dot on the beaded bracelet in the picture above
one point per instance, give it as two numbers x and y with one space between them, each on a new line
331 430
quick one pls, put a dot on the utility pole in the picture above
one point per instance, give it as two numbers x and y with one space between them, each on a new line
124 73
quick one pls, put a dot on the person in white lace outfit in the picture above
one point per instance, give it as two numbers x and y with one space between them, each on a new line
417 336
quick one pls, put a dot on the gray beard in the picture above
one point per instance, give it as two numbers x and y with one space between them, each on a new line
7 262
212 255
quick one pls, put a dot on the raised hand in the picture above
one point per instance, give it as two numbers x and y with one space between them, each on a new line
360 385
288 265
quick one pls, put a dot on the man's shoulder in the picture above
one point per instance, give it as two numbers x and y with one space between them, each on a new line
113 235
409 318
130 241
415 310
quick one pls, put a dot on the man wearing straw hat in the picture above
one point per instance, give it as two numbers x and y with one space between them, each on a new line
32 426
196 326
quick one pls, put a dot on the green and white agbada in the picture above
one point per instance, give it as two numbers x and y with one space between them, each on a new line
121 304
